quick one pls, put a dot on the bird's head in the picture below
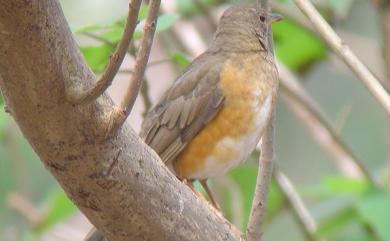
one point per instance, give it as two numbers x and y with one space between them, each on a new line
245 27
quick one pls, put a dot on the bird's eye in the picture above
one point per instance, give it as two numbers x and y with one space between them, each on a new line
262 18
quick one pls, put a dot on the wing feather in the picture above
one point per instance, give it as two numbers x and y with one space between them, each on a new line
192 101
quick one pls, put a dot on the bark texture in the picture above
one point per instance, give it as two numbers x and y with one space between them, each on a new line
118 183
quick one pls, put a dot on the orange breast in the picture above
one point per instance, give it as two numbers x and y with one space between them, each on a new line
216 146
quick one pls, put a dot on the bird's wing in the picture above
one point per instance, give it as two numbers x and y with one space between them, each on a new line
192 101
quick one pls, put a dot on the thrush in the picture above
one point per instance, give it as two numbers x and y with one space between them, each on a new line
216 111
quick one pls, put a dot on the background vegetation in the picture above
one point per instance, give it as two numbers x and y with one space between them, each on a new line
344 204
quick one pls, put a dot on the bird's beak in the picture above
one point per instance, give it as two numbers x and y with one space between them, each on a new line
275 17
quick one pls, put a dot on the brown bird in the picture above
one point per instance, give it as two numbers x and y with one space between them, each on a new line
215 113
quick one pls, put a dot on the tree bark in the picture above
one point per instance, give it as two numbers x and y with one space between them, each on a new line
119 183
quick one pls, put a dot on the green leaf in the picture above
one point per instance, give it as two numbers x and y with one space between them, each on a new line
164 22
97 57
180 59
188 7
275 200
332 186
60 207
113 35
338 185
337 222
296 47
374 209
106 25
143 12
245 176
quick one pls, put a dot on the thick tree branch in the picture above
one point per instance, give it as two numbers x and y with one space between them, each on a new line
120 114
345 53
115 62
120 184
307 110
259 204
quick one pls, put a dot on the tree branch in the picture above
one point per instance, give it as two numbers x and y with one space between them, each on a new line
120 184
120 114
345 53
321 128
115 61
259 204
298 208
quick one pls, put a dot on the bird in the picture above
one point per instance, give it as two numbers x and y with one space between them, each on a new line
216 111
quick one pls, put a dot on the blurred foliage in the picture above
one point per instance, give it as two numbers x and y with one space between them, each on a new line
58 207
289 37
97 56
109 34
345 208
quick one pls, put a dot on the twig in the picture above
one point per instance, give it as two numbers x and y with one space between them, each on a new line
150 64
345 53
145 86
145 97
26 208
298 208
103 40
254 230
307 110
120 114
115 61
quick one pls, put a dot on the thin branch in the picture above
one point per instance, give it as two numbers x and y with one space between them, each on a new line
115 61
302 214
145 86
321 128
26 208
145 97
345 53
259 204
120 114
103 40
